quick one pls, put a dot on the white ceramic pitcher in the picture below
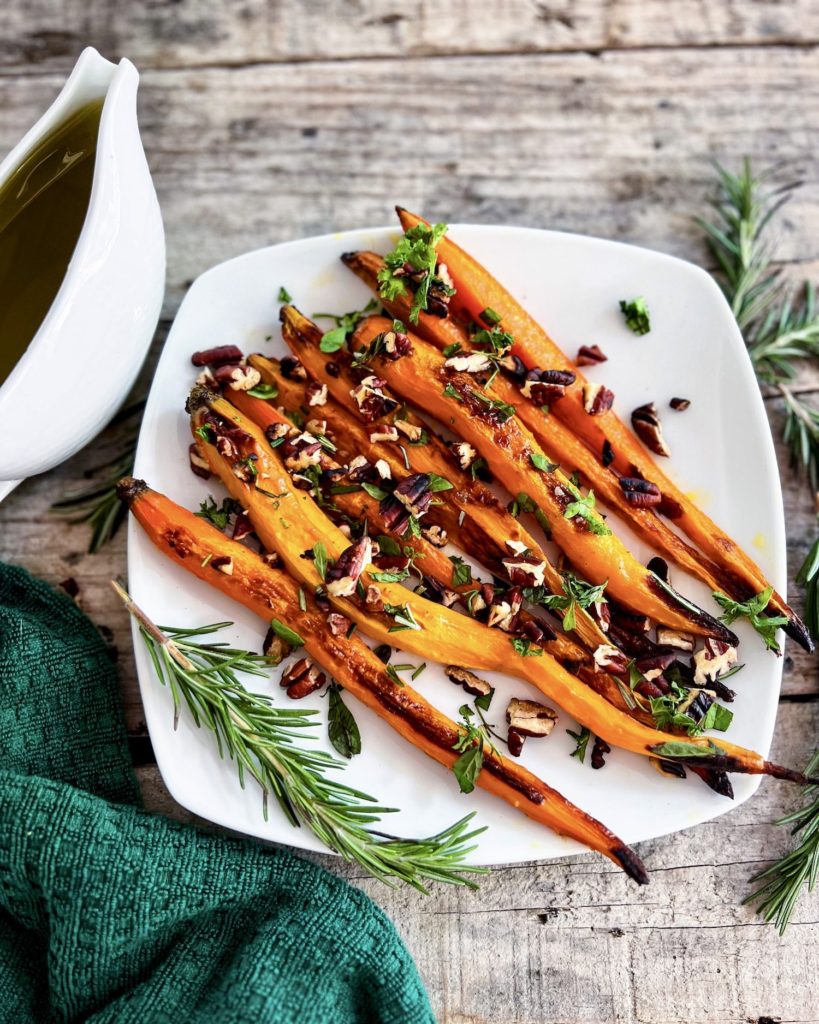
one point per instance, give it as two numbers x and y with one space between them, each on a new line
88 350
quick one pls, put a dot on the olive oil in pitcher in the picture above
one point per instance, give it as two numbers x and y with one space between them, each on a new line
42 209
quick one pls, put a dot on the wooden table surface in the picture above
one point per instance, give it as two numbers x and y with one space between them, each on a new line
264 122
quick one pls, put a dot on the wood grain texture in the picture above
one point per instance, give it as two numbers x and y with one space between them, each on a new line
266 122
42 34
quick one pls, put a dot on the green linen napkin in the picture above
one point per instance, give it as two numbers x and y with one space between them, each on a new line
108 913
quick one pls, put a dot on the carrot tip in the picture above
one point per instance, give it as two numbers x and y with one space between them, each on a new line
631 864
129 489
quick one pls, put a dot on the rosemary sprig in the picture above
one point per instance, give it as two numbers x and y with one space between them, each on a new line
784 880
262 739
97 504
779 325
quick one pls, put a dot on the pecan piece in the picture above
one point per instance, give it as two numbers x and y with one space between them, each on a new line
198 464
414 494
597 398
608 658
469 362
713 660
640 493
590 355
673 638
344 575
607 455
545 386
337 623
599 750
292 369
237 377
464 453
680 404
529 718
217 356
468 680
436 536
223 563
274 647
646 423
525 570
302 679
412 431
316 393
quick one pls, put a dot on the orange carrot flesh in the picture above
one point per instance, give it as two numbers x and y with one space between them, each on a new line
270 593
476 290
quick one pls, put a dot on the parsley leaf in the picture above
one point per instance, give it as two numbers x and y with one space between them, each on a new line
752 610
219 515
585 508
525 648
336 338
636 314
542 463
264 391
438 483
342 729
416 248
581 742
284 295
461 571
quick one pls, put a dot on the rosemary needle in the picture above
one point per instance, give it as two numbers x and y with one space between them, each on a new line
263 741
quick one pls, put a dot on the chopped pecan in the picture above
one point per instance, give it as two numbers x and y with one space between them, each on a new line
198 463
525 570
237 377
436 536
382 467
412 431
371 401
529 718
414 494
464 453
316 427
674 638
607 455
242 527
546 386
396 345
223 563
469 362
640 493
713 660
468 680
292 368
535 630
589 355
316 393
337 623
302 678
384 432
608 658
274 647
597 398
217 356
680 404
373 600
652 666
343 576
646 422
514 742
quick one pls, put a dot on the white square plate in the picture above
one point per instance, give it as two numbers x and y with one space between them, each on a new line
722 452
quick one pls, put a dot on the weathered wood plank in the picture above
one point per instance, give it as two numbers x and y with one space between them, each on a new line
618 146
41 34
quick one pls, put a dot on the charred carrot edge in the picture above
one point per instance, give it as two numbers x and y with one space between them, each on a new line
476 290
552 434
288 521
422 378
270 593
477 503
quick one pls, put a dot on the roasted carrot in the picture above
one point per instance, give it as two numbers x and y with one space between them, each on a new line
513 455
270 593
288 521
484 519
553 435
477 290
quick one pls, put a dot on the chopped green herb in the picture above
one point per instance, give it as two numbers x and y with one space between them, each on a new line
504 410
320 559
205 433
285 633
489 316
264 391
450 392
581 742
374 492
342 729
542 463
752 610
438 483
284 295
417 248
471 743
336 339
585 508
451 350
461 571
526 648
219 515
636 314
